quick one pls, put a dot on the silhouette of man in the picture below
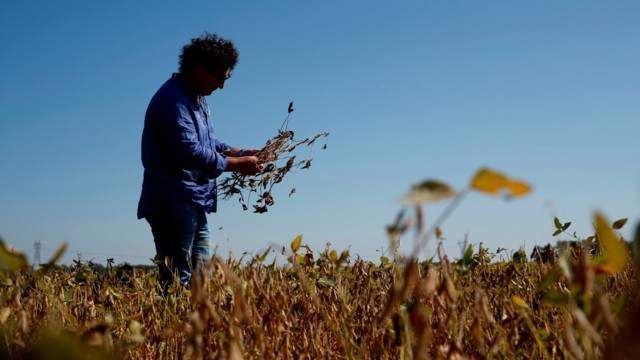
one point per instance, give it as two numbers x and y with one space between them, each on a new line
182 157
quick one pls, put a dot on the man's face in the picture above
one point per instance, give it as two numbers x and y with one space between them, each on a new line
210 81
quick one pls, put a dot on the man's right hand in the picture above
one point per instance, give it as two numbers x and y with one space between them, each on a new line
246 165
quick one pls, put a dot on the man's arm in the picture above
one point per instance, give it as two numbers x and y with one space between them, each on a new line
178 128
221 146
232 151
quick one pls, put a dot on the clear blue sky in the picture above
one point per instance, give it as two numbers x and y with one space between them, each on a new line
547 91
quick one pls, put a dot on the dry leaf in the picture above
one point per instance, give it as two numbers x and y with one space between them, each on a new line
518 188
295 244
428 191
489 181
615 254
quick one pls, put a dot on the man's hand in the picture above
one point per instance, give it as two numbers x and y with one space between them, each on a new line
250 152
246 165
237 152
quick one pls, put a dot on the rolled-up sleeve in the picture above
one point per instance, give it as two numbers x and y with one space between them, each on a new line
181 132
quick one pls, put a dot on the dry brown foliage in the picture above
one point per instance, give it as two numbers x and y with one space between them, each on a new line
325 306
279 158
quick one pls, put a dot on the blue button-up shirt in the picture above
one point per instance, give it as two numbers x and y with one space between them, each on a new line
181 156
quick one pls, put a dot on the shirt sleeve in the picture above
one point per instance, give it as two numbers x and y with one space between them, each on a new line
221 146
180 131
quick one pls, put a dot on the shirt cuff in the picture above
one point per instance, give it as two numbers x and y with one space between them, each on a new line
222 163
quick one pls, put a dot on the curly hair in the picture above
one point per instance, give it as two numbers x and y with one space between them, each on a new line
209 51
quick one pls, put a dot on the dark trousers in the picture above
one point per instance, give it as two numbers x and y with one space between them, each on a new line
181 236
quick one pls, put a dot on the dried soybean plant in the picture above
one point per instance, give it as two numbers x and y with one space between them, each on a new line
278 157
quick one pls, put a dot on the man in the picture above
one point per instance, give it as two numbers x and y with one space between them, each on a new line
182 157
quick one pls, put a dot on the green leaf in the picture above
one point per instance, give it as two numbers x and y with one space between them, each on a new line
618 304
333 255
348 275
618 224
566 226
468 254
549 279
326 282
557 223
543 335
80 277
263 256
343 256
557 232
556 298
